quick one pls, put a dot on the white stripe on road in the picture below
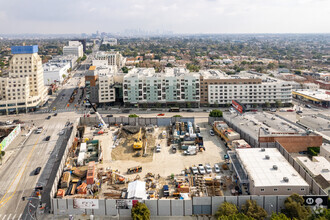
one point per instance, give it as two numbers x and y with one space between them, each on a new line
20 216
9 217
4 217
14 217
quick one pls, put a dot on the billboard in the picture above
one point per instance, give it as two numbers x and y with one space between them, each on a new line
85 203
236 105
125 203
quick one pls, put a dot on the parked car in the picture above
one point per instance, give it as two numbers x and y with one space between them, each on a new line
62 132
290 110
211 132
216 168
299 112
47 138
273 109
67 123
190 110
308 106
161 114
194 170
201 169
37 171
208 168
55 114
282 110
158 148
109 116
254 110
92 113
39 130
9 122
48 117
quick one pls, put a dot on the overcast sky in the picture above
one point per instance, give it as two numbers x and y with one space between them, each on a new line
179 16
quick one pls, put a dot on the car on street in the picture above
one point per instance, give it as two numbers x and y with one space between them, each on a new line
158 148
282 110
290 110
9 122
308 106
273 109
62 132
92 113
299 112
47 138
201 169
37 171
161 114
39 130
55 114
48 117
208 168
190 110
211 132
194 170
109 116
126 111
67 123
216 168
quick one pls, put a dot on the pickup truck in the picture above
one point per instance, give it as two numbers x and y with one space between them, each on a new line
166 192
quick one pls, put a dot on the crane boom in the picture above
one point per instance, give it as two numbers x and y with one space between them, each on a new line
103 125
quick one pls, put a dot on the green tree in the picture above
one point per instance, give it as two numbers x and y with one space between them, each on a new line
279 216
188 105
238 216
267 104
177 116
215 113
133 116
169 65
63 76
124 69
279 103
251 209
271 66
140 211
226 209
158 105
294 207
2 154
84 57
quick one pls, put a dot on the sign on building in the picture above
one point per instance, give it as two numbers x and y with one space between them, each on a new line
316 200
236 105
85 203
7 140
125 203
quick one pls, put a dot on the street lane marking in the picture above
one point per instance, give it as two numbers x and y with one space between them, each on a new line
9 217
3 200
20 217
4 217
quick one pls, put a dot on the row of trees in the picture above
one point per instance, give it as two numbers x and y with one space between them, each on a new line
294 208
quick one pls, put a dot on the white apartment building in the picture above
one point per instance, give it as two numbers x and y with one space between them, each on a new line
75 48
325 151
107 77
110 41
24 89
176 85
219 88
113 58
55 72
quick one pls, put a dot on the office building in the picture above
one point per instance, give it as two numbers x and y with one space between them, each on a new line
55 72
23 90
325 151
75 48
218 88
267 172
113 58
318 97
176 86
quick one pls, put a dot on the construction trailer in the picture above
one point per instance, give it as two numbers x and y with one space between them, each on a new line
226 133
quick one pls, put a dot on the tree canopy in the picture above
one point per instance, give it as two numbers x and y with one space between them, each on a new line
251 209
215 113
140 211
295 208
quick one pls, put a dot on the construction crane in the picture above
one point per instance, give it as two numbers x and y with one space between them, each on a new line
138 142
102 124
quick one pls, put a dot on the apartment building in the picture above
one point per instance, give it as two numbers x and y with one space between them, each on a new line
113 58
23 90
75 48
55 72
174 86
218 88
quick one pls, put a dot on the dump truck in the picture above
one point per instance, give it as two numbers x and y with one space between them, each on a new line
137 169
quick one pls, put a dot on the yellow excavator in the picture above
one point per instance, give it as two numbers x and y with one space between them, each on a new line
138 142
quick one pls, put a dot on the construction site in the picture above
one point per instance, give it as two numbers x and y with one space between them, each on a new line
119 161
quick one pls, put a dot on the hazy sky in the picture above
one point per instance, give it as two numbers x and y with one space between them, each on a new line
179 16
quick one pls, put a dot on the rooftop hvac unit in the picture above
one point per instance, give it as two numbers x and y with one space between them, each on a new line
325 170
286 179
275 167
263 149
267 157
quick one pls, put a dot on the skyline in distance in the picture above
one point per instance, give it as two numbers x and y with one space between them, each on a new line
177 16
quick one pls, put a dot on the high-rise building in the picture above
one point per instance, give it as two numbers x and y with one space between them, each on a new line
113 58
75 48
23 90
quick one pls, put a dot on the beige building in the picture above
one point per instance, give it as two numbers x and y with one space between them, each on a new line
269 173
325 151
74 48
23 90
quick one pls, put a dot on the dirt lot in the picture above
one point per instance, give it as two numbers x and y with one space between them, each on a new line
165 163
125 151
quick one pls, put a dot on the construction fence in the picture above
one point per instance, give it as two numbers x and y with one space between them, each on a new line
194 206
138 121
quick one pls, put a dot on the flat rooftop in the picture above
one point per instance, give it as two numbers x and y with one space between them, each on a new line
169 72
319 94
317 166
260 169
266 123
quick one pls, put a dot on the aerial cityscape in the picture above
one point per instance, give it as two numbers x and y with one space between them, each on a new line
150 109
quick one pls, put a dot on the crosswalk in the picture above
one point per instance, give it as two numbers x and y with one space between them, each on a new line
11 216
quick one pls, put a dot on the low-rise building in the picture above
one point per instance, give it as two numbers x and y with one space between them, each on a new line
55 72
268 172
111 41
113 58
325 151
74 48
318 97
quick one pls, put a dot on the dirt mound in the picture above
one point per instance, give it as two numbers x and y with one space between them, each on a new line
131 129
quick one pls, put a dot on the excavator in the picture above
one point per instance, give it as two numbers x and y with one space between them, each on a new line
137 145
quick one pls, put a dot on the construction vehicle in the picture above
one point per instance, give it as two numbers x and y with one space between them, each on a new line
137 145
119 179
226 133
137 169
102 125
